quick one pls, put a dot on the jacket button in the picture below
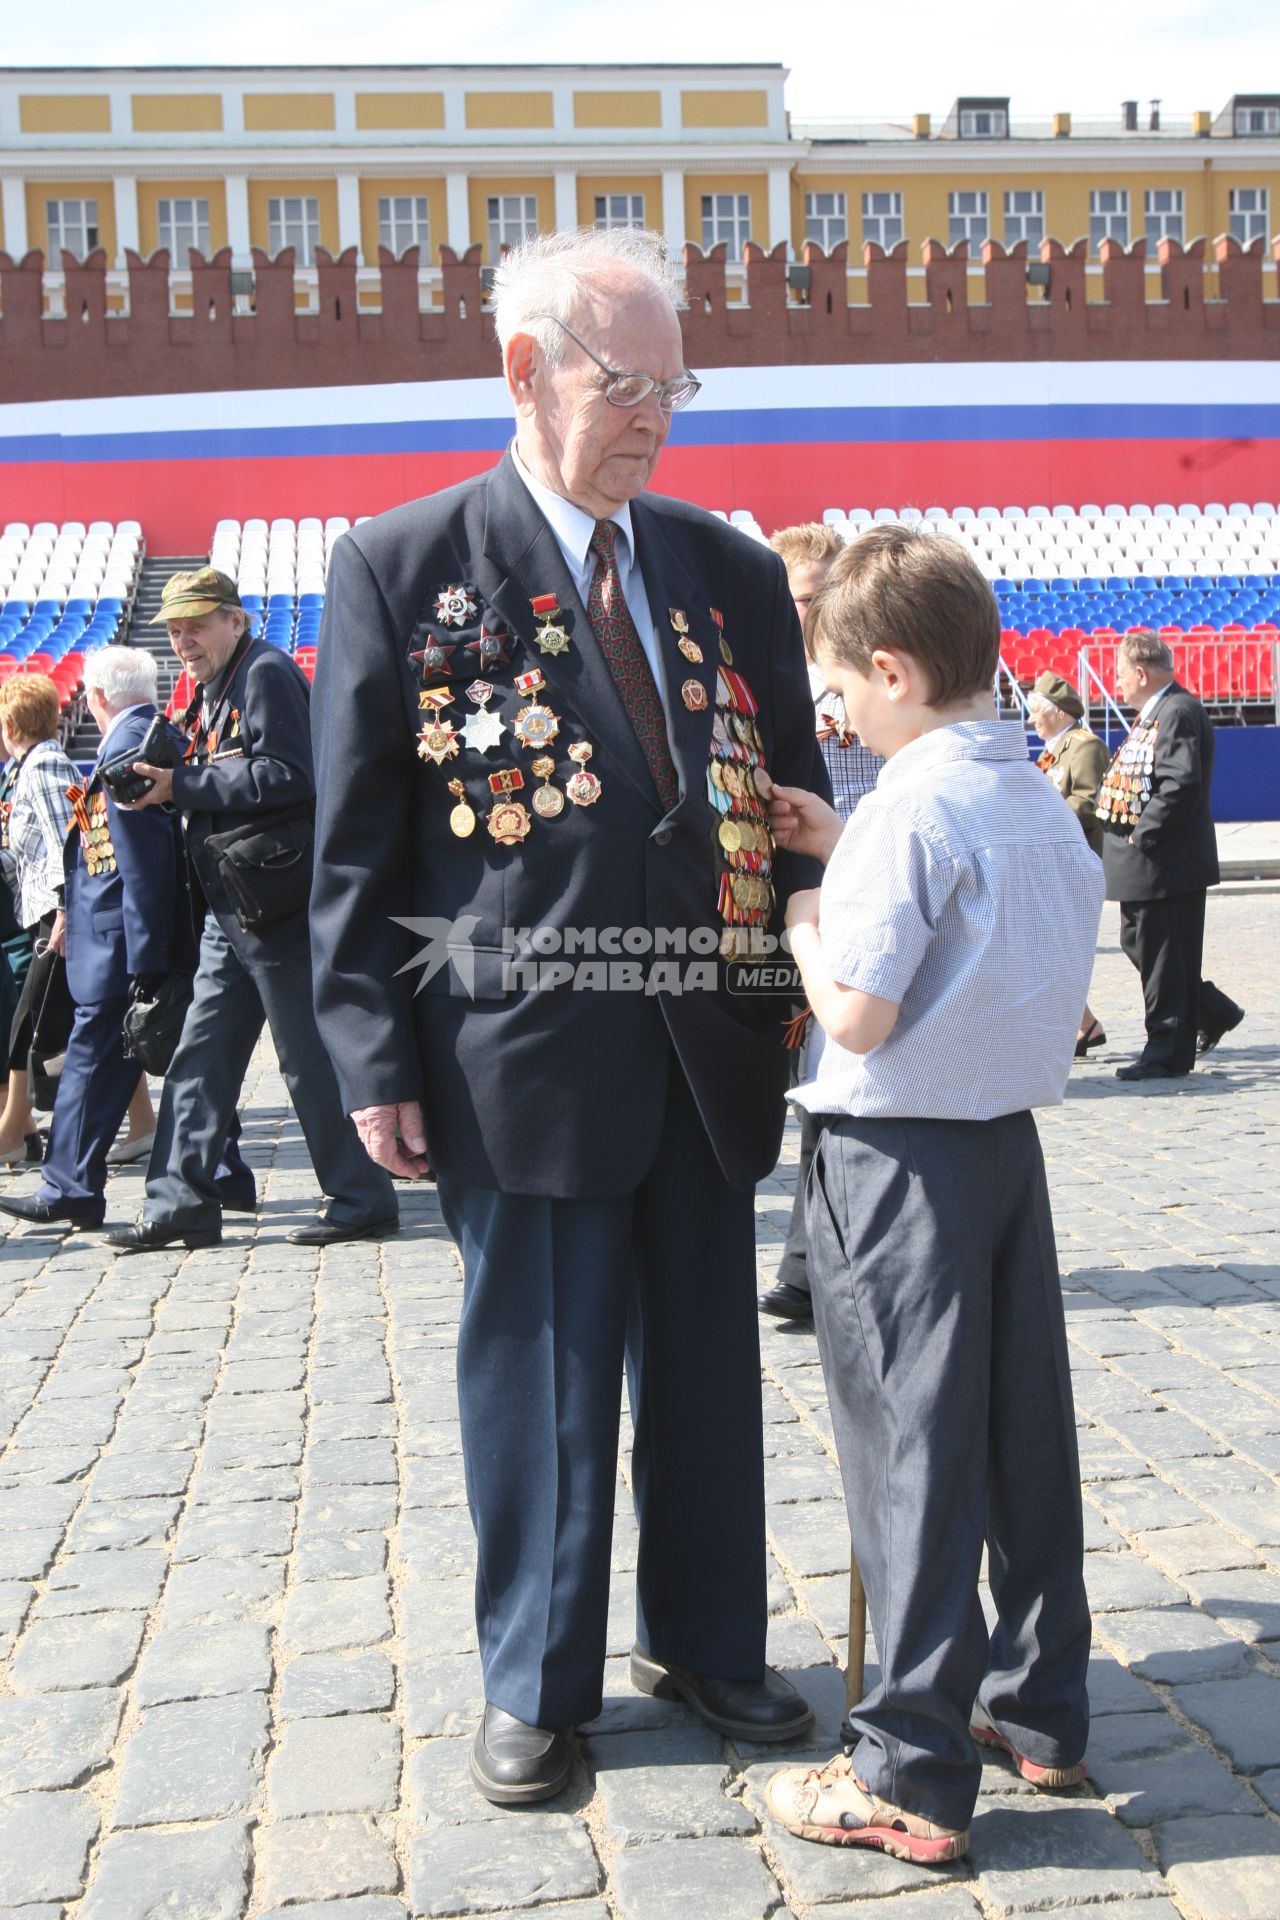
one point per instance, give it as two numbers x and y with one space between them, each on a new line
662 838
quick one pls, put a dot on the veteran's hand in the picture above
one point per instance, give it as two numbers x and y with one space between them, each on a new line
161 792
802 908
394 1137
801 822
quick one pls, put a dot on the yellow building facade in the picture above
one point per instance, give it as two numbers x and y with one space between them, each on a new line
135 159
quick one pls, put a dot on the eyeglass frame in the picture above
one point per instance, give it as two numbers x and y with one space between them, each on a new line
660 387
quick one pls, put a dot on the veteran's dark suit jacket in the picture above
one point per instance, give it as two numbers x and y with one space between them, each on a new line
557 1093
260 767
134 916
1173 849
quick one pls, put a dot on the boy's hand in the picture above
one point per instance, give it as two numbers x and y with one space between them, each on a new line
801 822
802 907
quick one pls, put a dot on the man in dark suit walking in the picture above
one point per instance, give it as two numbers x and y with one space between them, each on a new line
1160 854
249 768
125 924
543 704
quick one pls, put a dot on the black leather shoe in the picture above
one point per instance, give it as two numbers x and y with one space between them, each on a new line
149 1236
513 1765
1208 1037
327 1233
47 1213
1139 1070
786 1302
768 1709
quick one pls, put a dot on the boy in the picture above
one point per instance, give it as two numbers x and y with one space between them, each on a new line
807 552
948 987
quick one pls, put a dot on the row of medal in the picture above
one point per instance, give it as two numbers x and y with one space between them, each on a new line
95 838
535 727
746 895
1126 784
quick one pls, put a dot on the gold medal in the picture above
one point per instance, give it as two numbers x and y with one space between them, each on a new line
462 820
694 695
551 638
509 822
582 788
438 742
730 835
535 726
691 651
726 651
548 801
679 619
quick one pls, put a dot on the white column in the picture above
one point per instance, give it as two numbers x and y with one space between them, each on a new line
566 200
348 212
780 207
125 189
14 200
237 186
457 210
673 211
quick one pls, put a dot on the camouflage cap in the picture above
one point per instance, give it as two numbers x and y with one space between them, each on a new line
187 595
1053 687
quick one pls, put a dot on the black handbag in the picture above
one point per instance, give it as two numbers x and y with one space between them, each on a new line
265 867
153 1028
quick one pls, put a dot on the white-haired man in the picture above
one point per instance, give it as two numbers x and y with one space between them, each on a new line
542 702
125 924
1160 854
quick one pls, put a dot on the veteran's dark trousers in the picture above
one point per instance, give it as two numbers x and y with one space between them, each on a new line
940 1325
202 1087
1165 941
558 1293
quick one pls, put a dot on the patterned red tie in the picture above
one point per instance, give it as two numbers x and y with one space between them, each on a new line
625 657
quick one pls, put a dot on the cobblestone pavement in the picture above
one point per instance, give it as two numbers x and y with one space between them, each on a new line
235 1563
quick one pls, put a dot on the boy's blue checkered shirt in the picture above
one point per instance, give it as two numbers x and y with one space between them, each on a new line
964 889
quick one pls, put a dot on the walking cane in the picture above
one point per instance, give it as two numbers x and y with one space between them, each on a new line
854 1672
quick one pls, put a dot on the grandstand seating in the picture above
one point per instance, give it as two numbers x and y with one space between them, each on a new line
64 591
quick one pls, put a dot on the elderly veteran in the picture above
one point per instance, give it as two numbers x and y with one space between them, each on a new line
247 775
543 701
1075 760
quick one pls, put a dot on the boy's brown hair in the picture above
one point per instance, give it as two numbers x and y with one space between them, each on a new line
809 541
29 706
918 594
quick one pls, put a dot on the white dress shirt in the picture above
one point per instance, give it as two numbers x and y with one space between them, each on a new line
929 901
573 530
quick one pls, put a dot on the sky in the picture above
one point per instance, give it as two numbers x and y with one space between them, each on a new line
854 59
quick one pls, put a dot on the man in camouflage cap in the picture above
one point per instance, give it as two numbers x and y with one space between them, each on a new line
249 768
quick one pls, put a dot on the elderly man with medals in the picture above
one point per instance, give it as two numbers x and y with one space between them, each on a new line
547 700
1075 760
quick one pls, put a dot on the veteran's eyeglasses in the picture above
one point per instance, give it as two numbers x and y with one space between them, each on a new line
629 389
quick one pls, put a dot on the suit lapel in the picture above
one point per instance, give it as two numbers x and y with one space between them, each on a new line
672 590
522 559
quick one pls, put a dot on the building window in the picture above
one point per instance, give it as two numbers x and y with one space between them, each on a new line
619 210
1108 216
294 221
968 218
73 228
513 217
983 123
1258 119
1024 216
1249 214
182 224
403 222
1164 215
727 217
826 219
882 219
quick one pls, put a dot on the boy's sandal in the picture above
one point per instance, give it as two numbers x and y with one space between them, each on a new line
831 1804
1049 1779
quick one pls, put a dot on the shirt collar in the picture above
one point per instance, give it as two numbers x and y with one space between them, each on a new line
1149 705
139 706
1061 734
571 526
963 740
